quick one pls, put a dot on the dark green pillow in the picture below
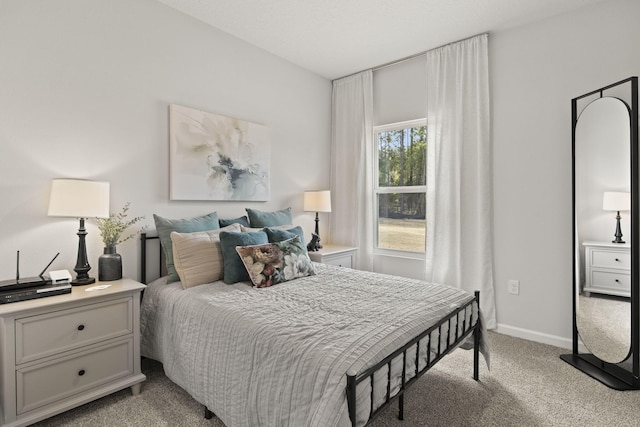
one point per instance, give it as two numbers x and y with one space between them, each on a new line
165 226
259 219
279 235
243 220
233 268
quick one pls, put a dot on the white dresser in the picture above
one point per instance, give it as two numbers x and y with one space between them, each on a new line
607 268
62 351
342 256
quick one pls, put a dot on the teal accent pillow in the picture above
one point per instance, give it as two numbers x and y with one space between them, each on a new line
233 268
278 234
274 263
243 220
165 226
259 219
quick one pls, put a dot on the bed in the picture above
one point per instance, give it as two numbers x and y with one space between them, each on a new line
305 352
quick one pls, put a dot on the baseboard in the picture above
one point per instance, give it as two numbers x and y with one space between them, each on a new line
530 335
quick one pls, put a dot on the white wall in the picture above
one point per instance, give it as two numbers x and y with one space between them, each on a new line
535 72
84 93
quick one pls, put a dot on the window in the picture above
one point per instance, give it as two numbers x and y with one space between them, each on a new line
400 186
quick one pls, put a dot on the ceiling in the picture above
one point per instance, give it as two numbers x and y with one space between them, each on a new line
334 38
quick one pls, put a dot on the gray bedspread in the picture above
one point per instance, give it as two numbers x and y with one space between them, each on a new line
278 356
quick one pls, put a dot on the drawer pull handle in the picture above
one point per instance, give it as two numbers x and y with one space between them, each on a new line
80 327
617 281
81 372
617 260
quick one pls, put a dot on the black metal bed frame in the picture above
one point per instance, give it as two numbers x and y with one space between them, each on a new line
143 256
353 379
450 323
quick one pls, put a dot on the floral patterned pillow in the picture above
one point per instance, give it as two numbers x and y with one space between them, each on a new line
274 263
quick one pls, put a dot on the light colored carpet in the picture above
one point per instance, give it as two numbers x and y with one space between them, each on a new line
604 323
528 385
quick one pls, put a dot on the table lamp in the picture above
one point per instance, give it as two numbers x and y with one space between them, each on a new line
616 201
317 201
81 199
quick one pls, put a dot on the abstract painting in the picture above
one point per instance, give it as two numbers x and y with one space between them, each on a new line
214 157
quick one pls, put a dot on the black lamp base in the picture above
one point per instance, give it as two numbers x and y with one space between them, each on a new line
618 231
318 245
82 282
82 264
314 243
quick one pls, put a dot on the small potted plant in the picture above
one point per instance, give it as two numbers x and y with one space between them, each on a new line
111 230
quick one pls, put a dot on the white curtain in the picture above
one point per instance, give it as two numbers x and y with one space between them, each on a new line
351 165
459 237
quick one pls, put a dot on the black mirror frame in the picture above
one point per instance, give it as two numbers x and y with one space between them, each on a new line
613 375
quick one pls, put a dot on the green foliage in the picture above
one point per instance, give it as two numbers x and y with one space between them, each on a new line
402 163
402 205
112 228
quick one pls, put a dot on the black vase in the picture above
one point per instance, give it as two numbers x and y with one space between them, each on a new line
109 265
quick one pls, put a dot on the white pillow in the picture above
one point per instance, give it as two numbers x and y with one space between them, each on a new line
198 256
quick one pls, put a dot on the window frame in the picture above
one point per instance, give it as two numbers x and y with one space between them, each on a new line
377 190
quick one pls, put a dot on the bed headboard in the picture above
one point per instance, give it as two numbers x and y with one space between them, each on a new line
154 266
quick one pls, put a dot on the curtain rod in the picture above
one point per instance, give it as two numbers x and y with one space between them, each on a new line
406 58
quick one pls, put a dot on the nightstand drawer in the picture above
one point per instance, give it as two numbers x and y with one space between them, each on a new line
42 384
611 281
62 352
340 261
611 259
340 256
51 333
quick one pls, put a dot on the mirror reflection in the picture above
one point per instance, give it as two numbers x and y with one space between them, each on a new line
603 250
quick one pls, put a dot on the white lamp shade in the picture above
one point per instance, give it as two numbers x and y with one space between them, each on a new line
616 201
79 198
317 201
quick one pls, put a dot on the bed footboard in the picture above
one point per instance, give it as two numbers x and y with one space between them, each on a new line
455 330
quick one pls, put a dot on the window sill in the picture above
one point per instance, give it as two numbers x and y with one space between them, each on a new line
399 254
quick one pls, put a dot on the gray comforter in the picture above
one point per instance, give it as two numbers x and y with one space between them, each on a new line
278 356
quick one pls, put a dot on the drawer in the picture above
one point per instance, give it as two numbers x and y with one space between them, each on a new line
611 259
51 333
340 261
46 383
607 280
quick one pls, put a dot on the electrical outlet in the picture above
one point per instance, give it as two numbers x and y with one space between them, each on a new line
513 287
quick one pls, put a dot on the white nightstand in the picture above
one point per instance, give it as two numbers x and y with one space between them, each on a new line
62 351
607 268
342 256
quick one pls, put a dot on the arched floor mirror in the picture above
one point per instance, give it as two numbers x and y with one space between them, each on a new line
606 244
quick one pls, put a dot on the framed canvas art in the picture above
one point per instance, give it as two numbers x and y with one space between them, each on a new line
214 157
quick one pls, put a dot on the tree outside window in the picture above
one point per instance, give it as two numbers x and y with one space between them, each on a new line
400 192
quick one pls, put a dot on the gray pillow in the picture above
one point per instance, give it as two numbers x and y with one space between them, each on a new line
279 235
233 268
259 219
243 220
165 226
